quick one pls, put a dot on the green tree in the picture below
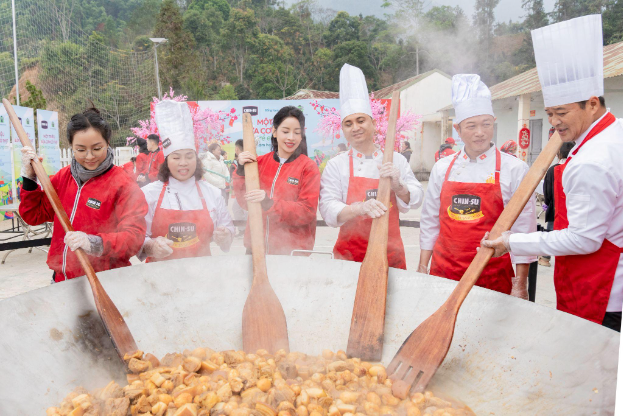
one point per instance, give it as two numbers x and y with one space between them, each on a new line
483 21
343 28
444 17
275 74
569 9
536 15
238 37
354 53
612 22
179 59
227 93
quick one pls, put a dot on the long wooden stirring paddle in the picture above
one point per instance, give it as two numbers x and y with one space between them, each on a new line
264 322
112 319
369 309
423 351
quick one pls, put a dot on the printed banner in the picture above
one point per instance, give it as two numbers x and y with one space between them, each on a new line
49 140
26 116
6 166
262 112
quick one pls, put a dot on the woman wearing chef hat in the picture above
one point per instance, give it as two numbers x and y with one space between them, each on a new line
289 186
350 180
468 192
587 236
185 213
106 207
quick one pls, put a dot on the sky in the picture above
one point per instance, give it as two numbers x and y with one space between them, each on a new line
506 9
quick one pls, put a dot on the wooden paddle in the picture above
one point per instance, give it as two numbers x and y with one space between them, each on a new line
369 309
264 322
423 351
113 321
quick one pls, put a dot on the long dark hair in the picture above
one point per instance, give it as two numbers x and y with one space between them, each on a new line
164 173
142 143
283 114
90 118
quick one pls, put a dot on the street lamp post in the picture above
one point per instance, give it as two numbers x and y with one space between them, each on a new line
157 41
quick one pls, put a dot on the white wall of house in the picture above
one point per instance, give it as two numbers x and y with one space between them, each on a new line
425 98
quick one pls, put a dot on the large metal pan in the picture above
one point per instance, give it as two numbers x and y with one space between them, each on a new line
508 356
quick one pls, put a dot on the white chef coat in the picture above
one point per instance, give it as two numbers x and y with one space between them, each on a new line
335 182
480 170
592 182
184 196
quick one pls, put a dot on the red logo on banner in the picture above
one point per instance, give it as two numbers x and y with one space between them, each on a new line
524 138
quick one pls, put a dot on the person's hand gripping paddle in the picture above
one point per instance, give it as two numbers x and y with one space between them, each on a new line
423 351
112 319
264 322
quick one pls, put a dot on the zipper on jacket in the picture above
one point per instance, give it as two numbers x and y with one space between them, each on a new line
71 220
266 238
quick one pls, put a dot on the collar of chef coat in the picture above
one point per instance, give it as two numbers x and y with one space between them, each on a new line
358 155
585 133
464 158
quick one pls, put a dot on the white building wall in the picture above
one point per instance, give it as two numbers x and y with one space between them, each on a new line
424 98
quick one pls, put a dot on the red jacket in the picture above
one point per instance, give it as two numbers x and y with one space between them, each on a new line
129 169
149 164
111 206
445 153
293 187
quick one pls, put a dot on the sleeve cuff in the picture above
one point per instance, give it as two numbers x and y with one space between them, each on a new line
29 184
522 259
266 204
525 245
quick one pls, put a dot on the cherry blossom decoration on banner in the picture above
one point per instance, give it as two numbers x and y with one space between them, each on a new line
330 125
207 124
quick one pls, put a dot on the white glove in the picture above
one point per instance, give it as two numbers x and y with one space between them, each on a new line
500 245
257 195
158 248
91 244
389 170
245 157
519 289
223 237
371 208
28 154
422 268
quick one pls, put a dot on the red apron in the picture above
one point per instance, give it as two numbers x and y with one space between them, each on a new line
190 231
467 211
583 282
353 236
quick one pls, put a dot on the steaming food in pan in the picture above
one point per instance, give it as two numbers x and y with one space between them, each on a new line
203 382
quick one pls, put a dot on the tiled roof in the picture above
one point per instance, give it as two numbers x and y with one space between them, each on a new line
382 93
400 86
528 82
310 94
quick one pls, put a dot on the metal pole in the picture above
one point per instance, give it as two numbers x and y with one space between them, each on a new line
15 55
157 76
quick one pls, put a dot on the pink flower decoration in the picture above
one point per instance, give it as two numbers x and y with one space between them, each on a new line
331 122
207 124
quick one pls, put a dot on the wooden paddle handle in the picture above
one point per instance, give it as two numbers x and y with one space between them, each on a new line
252 182
379 227
507 218
47 187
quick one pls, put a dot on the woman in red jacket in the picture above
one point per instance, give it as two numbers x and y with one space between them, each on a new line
104 204
289 186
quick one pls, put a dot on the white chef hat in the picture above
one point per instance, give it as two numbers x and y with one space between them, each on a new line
353 92
569 60
175 126
471 97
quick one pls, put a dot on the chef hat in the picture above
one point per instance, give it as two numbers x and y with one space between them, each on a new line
569 60
353 92
471 97
175 126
